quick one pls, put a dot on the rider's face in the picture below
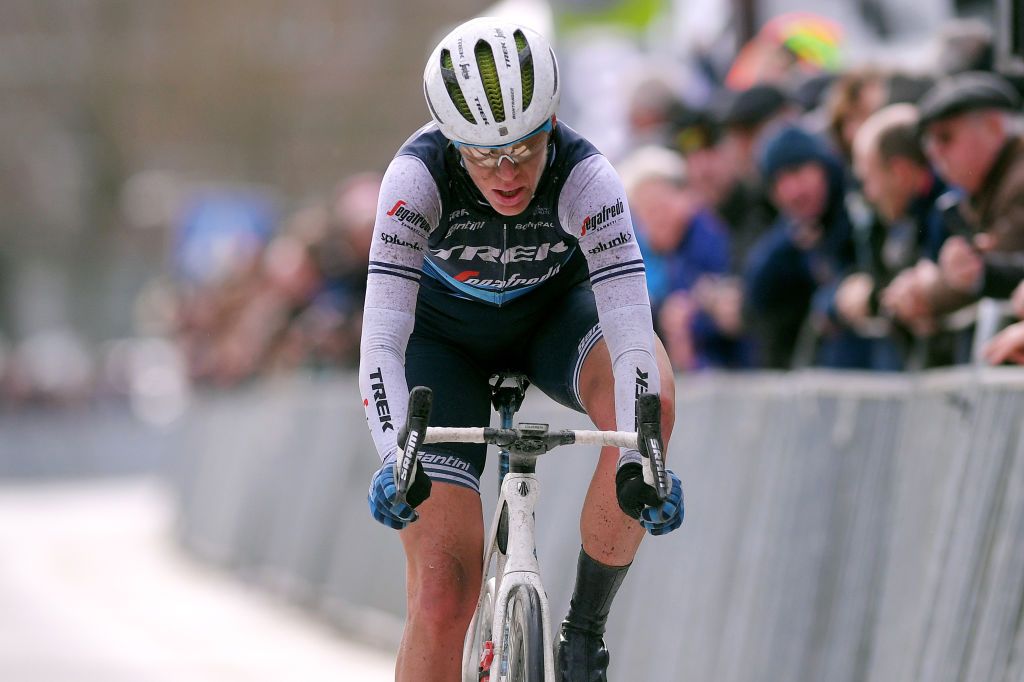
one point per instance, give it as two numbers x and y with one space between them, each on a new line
508 176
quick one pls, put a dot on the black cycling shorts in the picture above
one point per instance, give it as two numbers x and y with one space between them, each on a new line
458 344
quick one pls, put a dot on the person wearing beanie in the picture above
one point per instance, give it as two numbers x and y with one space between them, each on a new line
794 268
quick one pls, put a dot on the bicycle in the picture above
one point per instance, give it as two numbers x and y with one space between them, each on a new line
512 624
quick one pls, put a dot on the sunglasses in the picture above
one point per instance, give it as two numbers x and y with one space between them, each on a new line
520 151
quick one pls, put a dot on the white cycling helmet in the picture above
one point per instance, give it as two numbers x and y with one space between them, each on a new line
491 82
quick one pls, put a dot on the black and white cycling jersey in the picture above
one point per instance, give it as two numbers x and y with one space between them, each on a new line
435 229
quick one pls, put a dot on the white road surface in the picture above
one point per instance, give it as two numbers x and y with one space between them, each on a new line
93 589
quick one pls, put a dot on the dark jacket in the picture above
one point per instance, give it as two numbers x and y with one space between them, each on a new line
997 208
781 280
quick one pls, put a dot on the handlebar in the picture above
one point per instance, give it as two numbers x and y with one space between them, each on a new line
527 438
532 440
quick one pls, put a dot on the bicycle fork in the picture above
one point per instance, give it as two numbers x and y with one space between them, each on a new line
517 566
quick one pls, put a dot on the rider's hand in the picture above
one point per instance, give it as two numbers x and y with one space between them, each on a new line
383 490
639 500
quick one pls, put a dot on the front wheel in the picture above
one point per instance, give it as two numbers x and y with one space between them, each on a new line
524 637
478 648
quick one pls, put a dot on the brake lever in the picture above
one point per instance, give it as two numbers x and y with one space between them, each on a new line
649 442
410 438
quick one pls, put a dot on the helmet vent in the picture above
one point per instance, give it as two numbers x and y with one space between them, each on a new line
525 67
451 82
489 78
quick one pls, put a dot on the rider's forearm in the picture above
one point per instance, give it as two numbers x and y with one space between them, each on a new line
593 207
382 374
629 335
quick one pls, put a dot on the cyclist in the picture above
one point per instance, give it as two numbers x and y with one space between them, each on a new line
503 241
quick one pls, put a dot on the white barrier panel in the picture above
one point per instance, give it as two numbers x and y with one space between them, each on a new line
838 526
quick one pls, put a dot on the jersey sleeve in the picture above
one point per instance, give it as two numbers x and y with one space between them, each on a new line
593 209
407 211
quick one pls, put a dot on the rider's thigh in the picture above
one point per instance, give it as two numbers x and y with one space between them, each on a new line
444 557
597 388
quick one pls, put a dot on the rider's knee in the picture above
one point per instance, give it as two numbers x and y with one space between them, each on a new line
443 592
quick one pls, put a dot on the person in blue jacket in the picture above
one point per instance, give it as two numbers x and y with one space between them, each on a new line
793 270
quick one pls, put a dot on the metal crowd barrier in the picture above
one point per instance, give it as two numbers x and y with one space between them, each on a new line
840 527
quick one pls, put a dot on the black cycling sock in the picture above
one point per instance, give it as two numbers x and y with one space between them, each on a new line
596 585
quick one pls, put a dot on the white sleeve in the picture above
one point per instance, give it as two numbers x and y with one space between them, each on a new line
593 208
407 211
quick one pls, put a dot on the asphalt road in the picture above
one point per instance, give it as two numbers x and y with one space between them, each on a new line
93 589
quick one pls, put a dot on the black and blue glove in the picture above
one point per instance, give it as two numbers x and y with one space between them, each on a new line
639 500
383 490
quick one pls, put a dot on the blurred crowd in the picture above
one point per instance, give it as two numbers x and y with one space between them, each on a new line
799 214
792 212
247 294
294 300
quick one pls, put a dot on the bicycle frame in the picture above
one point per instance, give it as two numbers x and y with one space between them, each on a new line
510 540
517 564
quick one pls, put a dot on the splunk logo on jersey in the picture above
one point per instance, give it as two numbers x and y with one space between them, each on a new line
398 241
380 398
595 222
472 277
492 254
623 238
409 217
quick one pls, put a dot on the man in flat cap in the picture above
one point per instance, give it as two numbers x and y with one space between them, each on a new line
970 133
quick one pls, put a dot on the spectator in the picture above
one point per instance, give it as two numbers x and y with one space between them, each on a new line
965 45
207 311
969 135
257 340
1008 345
803 255
747 117
713 175
904 190
853 97
344 258
309 312
686 253
650 105
309 328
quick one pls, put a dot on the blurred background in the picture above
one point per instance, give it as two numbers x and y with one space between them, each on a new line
187 191
187 195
